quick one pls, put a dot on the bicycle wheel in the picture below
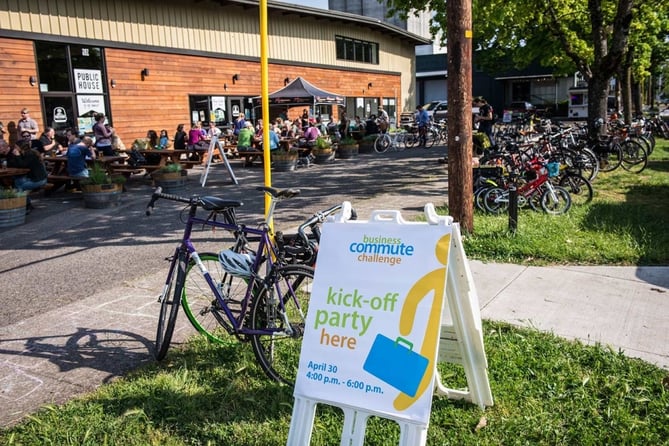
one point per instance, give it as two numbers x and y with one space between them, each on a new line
200 303
496 200
645 143
430 137
634 156
479 196
410 140
555 200
169 304
578 187
609 157
281 309
587 163
382 142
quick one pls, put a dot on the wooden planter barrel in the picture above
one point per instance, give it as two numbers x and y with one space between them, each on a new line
322 157
284 162
101 196
12 211
171 182
347 151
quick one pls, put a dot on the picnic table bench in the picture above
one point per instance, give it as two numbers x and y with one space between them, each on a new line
55 182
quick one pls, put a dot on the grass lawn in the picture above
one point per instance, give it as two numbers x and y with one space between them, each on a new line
626 224
547 390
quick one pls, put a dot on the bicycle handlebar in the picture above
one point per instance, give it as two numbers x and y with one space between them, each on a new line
158 193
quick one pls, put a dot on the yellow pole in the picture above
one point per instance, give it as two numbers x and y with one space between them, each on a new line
264 99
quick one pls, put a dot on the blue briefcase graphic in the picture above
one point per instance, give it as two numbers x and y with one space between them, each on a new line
396 364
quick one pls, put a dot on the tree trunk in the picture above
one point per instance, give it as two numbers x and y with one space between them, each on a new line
626 93
459 85
637 97
598 89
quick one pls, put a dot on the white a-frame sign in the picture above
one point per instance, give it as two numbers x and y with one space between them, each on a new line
374 331
216 143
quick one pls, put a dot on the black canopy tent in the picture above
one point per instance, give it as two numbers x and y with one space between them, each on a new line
301 92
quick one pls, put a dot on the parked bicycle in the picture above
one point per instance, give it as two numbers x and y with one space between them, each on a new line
398 141
536 190
248 291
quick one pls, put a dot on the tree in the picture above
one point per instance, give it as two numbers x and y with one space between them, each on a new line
567 35
459 82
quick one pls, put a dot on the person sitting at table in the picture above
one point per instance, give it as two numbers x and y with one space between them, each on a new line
245 141
103 135
286 130
213 131
180 138
297 127
152 144
360 126
195 141
311 134
34 143
49 143
25 157
163 140
371 126
77 153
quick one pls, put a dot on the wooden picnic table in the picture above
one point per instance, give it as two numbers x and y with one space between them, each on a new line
8 173
59 163
166 156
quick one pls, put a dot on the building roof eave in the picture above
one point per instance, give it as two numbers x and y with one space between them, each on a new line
327 14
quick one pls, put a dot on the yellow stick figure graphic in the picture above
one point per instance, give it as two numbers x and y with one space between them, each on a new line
433 283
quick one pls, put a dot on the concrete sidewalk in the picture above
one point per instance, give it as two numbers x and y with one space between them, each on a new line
53 357
60 339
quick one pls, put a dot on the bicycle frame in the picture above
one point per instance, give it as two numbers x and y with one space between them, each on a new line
266 252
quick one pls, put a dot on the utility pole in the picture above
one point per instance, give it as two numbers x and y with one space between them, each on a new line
459 85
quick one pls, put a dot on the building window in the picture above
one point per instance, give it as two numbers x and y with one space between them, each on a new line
357 50
72 85
209 108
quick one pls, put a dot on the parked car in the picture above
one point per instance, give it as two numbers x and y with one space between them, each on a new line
520 109
433 106
440 111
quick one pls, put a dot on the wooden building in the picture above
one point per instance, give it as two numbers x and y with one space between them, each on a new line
154 65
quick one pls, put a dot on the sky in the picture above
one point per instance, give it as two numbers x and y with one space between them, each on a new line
323 4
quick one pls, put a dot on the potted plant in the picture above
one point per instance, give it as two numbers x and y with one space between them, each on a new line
366 144
348 148
284 160
100 190
12 207
171 177
323 151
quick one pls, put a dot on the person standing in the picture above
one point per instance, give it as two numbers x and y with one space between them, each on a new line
240 123
103 136
26 124
384 120
423 121
485 118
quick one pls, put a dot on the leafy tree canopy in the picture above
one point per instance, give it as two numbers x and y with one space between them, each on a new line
566 35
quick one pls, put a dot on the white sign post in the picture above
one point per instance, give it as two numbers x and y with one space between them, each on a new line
373 328
210 154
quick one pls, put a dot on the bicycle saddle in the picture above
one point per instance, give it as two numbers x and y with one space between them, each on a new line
280 193
210 203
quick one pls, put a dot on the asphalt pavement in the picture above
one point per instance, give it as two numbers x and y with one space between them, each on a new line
80 285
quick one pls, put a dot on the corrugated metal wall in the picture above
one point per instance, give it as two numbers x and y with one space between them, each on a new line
199 26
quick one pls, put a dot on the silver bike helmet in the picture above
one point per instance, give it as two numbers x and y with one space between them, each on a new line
235 263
